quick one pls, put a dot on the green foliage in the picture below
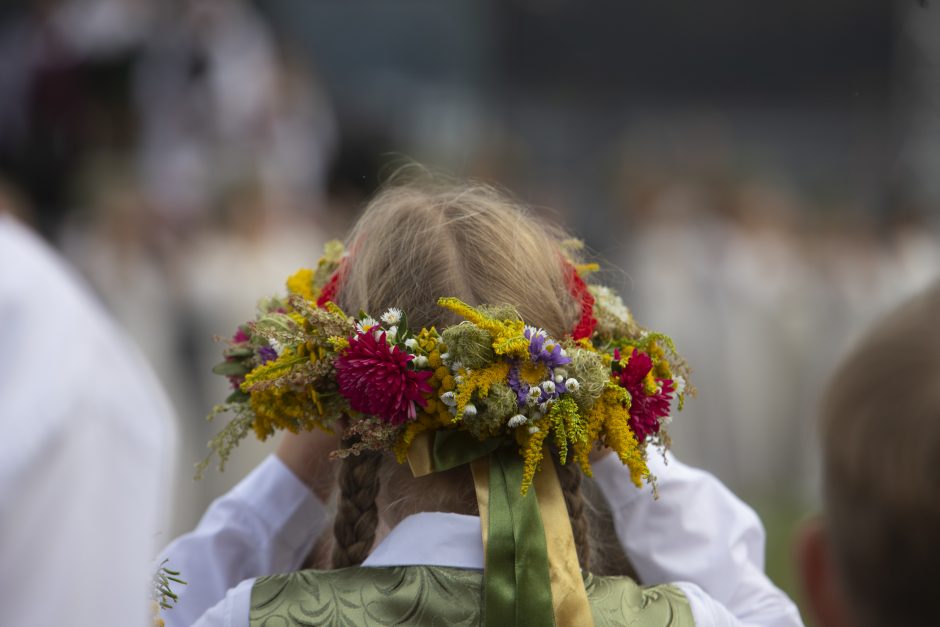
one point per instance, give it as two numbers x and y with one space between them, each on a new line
228 438
469 345
162 581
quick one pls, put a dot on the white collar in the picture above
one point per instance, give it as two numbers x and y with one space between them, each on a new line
432 539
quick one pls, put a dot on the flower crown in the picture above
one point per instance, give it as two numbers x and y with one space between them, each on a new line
303 364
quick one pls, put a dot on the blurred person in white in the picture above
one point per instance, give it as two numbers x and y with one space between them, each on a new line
871 558
219 101
87 448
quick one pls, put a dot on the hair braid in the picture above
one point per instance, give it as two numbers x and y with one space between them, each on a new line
357 515
569 476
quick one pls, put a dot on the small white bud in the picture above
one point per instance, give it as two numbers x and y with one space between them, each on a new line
563 352
559 379
548 386
572 385
517 421
445 356
470 410
421 361
561 372
534 429
449 399
458 379
392 334
411 343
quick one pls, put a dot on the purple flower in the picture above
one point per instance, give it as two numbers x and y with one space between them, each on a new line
516 384
266 354
539 353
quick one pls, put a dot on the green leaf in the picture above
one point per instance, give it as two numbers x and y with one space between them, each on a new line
238 397
403 327
239 351
232 368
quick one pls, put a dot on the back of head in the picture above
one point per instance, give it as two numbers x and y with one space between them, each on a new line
418 242
415 243
881 448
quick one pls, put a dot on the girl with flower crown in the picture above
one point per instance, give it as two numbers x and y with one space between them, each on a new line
492 378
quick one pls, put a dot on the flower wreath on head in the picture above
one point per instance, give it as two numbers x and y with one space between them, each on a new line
487 384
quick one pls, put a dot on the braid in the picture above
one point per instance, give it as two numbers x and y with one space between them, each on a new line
357 514
569 476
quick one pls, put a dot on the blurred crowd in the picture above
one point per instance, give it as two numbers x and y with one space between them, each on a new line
187 160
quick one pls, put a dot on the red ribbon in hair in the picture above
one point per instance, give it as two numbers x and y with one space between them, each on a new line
579 290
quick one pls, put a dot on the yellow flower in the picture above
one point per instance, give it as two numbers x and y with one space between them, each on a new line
301 283
533 373
508 338
587 268
479 381
609 419
532 451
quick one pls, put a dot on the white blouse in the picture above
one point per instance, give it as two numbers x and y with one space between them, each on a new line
697 535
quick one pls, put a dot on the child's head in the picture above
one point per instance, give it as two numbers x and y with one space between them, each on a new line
873 559
414 244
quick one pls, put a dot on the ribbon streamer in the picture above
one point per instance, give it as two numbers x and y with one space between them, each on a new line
531 574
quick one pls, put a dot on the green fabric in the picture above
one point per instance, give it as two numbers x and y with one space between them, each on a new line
516 582
456 448
439 597
516 577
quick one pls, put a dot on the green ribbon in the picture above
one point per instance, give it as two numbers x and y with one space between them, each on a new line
516 581
456 448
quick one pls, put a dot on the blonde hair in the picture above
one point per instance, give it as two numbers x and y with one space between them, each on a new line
881 451
417 242
414 243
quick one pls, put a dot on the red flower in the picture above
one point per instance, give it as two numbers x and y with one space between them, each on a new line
580 292
645 410
376 380
331 289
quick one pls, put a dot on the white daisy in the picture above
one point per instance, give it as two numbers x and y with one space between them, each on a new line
392 316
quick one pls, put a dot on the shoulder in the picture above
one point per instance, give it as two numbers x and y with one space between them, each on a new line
414 595
622 601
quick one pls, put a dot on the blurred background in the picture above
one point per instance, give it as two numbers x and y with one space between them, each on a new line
760 179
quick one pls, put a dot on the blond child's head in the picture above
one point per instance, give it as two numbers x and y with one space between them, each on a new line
414 243
872 559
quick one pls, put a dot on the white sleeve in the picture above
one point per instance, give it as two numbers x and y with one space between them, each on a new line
232 611
265 525
696 532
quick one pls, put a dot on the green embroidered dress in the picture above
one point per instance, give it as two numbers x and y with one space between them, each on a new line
438 596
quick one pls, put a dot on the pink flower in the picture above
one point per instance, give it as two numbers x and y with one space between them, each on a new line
645 410
376 380
240 336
